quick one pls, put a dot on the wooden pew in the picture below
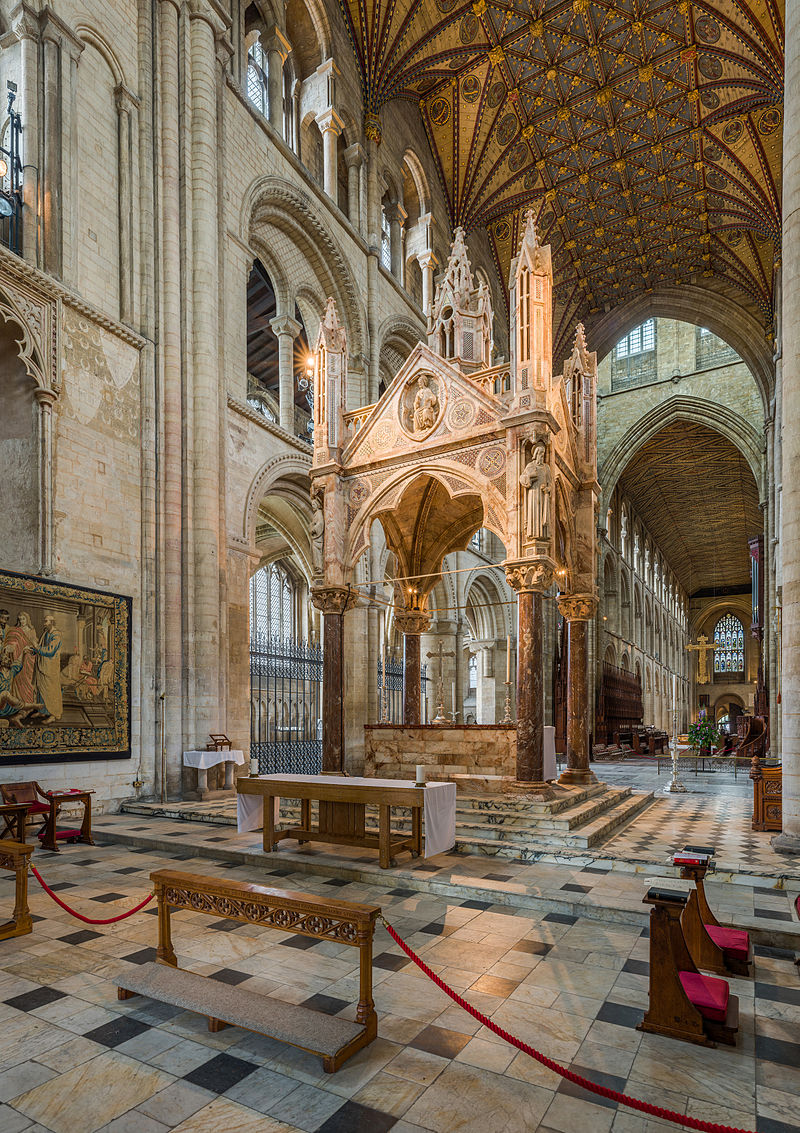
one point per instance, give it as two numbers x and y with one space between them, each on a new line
333 1039
712 946
15 856
684 1004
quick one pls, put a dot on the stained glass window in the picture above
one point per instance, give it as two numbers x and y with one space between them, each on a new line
257 78
729 637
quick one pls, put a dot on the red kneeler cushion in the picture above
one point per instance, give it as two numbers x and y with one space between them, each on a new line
708 994
732 940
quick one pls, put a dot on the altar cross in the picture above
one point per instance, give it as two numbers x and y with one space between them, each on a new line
440 717
701 649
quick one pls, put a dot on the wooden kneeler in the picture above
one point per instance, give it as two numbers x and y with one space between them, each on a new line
713 947
674 977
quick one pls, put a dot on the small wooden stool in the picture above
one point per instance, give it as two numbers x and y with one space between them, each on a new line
684 1004
713 947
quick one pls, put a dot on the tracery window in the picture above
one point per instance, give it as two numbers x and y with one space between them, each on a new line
273 602
257 86
639 341
386 241
472 668
633 362
729 636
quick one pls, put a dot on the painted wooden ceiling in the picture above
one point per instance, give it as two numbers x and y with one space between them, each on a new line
646 133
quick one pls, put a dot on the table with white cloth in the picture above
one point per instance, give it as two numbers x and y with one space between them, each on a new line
202 760
342 806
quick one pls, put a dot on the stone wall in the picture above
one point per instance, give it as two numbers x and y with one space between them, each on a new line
393 752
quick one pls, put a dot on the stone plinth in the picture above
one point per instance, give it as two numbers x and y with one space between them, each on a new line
392 752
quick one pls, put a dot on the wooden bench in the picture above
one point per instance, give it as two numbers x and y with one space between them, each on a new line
333 1039
712 946
684 1004
15 856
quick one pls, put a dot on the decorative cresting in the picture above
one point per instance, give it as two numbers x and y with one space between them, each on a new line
282 916
455 444
647 137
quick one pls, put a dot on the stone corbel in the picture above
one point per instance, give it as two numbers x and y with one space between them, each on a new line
577 607
530 575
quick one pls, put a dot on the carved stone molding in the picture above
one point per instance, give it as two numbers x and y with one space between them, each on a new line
530 574
413 622
333 599
577 607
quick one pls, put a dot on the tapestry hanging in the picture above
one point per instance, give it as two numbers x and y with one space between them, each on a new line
65 669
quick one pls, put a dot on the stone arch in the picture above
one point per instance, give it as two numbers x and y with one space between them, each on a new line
708 413
322 28
275 202
28 350
288 465
89 34
610 655
700 306
414 165
397 337
493 619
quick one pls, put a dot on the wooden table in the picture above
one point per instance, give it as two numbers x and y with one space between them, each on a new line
50 835
342 805
14 815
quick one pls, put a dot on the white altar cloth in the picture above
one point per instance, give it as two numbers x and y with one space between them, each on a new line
205 759
439 812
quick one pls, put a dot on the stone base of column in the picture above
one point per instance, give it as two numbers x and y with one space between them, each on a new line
540 792
577 777
786 843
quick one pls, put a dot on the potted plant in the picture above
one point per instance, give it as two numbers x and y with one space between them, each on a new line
703 735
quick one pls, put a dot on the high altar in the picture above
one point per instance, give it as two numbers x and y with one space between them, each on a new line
455 444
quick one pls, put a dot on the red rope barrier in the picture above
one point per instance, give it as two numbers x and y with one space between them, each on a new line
80 917
585 1083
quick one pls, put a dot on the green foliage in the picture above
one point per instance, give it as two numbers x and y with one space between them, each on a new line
703 733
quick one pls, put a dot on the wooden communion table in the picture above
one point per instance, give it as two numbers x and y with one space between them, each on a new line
342 806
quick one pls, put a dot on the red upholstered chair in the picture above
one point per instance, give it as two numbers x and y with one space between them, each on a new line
31 794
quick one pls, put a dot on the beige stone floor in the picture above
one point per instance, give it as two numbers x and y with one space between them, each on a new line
75 1060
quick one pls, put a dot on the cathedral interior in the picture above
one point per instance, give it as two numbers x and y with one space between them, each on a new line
397 409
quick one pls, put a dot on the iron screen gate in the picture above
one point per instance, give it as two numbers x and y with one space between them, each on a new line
394 690
285 705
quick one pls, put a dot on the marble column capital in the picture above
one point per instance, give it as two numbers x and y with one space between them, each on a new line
329 120
54 30
413 622
25 22
212 13
355 156
285 324
535 575
333 599
276 41
577 607
45 397
427 259
125 100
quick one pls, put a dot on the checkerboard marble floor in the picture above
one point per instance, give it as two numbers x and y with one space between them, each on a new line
73 1059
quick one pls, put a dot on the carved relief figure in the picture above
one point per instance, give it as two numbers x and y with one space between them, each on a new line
426 406
536 480
317 531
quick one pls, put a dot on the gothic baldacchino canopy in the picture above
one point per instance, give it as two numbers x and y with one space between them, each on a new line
646 135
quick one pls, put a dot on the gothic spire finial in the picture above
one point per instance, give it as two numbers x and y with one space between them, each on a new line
530 236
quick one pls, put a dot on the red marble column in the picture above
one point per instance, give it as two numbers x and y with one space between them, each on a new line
412 674
333 695
577 612
530 706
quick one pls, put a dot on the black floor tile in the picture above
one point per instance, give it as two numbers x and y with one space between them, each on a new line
435 928
230 976
777 994
389 962
301 942
80 937
772 953
337 882
129 869
117 1031
620 1014
778 1050
532 947
84 861
404 893
221 1073
610 1081
142 956
438 1040
595 869
39 997
105 897
225 925
221 839
497 876
572 888
769 1125
62 885
476 905
353 1116
328 1004
638 967
773 914
560 918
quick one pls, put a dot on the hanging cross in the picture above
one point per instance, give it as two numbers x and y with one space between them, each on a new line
440 717
701 649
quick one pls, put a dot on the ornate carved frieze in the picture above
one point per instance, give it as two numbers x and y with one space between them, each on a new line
413 622
288 919
333 599
530 574
577 607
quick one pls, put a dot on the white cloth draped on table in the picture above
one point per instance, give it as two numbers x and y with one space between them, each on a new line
205 759
439 812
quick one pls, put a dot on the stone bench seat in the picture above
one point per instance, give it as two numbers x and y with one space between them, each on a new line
325 1035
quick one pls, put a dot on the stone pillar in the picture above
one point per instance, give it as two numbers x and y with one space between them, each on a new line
412 624
331 126
51 156
277 51
26 29
789 840
127 105
286 330
427 262
334 602
577 611
486 691
45 398
396 216
372 134
530 581
354 159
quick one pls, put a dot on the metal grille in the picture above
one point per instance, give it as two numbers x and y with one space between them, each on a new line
285 705
394 689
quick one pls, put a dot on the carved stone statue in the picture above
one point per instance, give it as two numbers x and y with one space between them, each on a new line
536 479
426 406
317 531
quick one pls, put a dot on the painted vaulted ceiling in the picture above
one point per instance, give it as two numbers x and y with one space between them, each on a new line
646 133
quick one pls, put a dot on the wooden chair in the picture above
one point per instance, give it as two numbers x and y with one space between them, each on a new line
712 946
32 795
684 1004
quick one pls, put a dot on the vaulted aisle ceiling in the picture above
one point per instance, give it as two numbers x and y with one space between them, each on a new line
646 134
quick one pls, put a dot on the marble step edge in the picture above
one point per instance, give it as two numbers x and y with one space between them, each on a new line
773 935
611 821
